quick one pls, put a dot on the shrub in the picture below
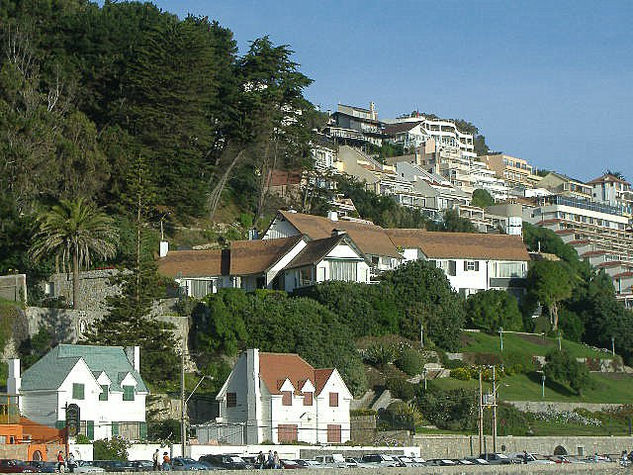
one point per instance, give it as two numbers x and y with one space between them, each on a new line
111 449
410 361
401 388
399 415
463 374
517 363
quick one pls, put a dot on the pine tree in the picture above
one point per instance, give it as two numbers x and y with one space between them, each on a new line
129 320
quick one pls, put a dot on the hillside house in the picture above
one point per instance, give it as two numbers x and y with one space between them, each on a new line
104 381
281 398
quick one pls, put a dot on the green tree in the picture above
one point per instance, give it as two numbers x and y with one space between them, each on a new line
454 223
482 198
111 449
550 282
561 367
492 309
74 231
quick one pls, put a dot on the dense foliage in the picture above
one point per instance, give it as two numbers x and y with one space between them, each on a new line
493 309
563 368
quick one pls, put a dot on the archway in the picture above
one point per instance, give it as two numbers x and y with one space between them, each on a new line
560 450
37 455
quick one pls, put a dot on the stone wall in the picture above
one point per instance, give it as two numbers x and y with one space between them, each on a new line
544 407
13 287
94 287
435 446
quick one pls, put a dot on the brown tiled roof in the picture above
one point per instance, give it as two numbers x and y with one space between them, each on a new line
315 251
254 257
369 238
203 263
593 253
398 128
607 177
622 275
614 264
275 368
461 245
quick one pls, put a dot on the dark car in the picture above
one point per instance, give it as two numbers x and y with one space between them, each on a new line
141 465
183 464
226 461
43 467
15 466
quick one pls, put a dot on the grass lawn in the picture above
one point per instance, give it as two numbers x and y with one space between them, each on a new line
614 388
524 344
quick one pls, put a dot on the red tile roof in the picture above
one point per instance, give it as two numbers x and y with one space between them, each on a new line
275 368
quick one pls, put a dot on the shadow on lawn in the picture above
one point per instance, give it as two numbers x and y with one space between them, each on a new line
553 385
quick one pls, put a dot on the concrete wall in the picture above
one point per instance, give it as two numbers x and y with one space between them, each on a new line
434 446
538 406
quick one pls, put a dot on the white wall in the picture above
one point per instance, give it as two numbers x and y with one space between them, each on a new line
280 228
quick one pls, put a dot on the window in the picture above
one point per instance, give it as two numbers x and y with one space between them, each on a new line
128 393
333 433
286 398
471 266
307 399
78 391
287 433
104 392
231 399
333 399
452 268
343 270
509 269
305 276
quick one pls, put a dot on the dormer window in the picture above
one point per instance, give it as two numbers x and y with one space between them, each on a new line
286 398
308 399
104 392
128 393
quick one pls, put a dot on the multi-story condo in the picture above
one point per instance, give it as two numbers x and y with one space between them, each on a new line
513 170
355 125
560 184
414 131
599 233
614 191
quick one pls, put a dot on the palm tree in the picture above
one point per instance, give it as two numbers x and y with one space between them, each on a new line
75 230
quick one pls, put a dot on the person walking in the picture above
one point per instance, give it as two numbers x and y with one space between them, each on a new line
166 462
276 461
270 463
70 461
261 460
155 459
61 465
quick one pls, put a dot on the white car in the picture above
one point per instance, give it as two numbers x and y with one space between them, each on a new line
532 458
84 466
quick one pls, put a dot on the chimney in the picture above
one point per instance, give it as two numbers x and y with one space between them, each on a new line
337 232
14 380
253 406
163 249
133 354
332 215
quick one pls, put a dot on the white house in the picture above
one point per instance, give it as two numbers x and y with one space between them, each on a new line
104 381
279 397
472 262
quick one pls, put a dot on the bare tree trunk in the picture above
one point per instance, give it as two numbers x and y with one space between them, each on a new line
76 278
216 193
138 247
554 311
266 177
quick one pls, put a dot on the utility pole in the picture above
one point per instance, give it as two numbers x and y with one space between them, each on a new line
613 345
421 335
560 345
481 414
501 337
494 409
183 402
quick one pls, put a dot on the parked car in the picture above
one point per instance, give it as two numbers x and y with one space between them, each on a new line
497 459
531 458
84 466
380 460
186 463
43 467
15 466
141 465
331 461
441 463
226 461
309 463
289 464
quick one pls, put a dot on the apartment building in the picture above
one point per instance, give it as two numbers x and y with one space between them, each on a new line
614 191
599 233
355 125
560 184
513 170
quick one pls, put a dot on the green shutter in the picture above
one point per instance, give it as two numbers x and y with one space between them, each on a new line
115 429
128 393
104 392
90 429
142 430
60 424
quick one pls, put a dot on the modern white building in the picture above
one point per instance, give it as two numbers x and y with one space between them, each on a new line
613 191
104 381
281 398
471 262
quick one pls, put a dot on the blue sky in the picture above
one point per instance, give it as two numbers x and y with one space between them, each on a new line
549 81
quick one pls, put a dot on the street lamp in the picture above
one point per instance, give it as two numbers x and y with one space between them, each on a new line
183 413
501 337
424 372
613 345
543 384
421 335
